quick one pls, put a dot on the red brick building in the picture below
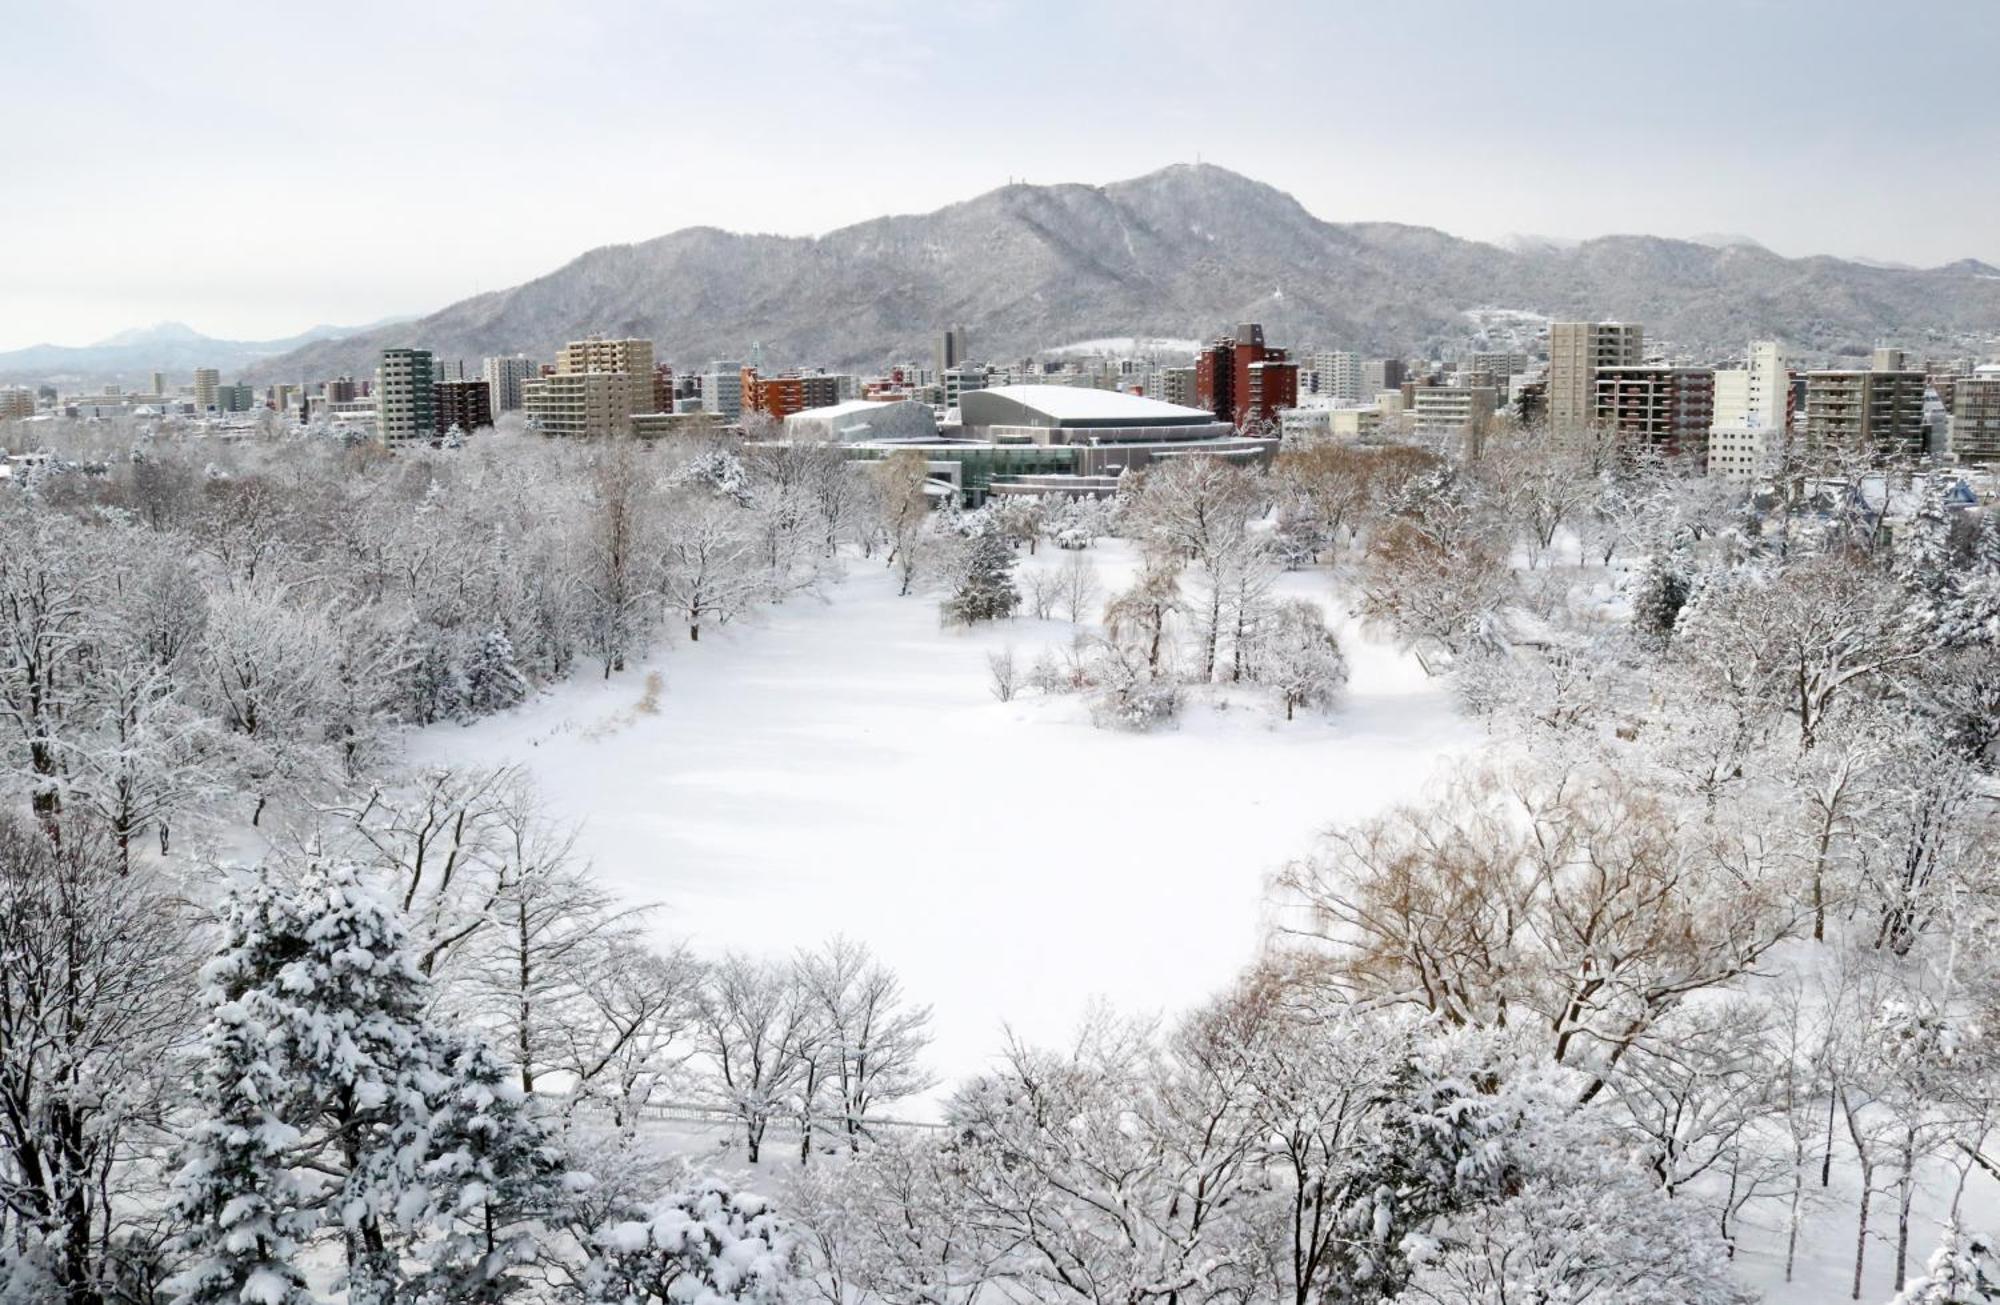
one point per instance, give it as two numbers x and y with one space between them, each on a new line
1243 381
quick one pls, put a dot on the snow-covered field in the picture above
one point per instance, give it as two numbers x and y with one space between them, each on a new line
842 767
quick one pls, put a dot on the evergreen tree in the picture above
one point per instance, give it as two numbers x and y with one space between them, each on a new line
434 687
985 590
245 1210
322 1062
1663 591
493 682
1962 1271
494 1176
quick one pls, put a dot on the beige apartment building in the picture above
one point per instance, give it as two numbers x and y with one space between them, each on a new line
598 354
207 380
597 387
1880 412
586 404
1577 352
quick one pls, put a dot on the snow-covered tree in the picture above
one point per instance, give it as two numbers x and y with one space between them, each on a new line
872 1038
752 1030
492 677
330 1102
96 972
983 586
1963 1270
699 1247
1299 657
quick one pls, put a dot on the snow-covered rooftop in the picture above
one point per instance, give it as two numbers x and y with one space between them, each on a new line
835 411
1074 403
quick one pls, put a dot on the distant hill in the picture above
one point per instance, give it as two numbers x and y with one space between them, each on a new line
1176 254
172 347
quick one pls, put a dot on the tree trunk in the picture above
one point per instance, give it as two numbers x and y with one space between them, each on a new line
1861 1228
1904 1184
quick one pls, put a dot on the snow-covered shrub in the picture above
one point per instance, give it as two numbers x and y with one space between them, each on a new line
1130 694
1006 676
697 1247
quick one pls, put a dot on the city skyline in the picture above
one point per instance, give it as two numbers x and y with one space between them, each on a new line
397 183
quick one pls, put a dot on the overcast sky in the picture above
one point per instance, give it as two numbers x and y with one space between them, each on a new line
253 169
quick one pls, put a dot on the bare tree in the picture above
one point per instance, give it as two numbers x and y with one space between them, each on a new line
750 1033
97 970
873 1038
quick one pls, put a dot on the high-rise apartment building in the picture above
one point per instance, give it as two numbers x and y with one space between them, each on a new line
1501 365
1975 417
405 409
781 396
159 385
235 398
1244 381
206 381
1177 385
598 354
583 405
16 402
468 405
1669 408
504 378
948 351
1880 413
1379 374
1337 375
1753 412
1577 352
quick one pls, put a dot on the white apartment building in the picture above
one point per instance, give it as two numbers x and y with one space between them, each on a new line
505 378
1452 414
1751 414
722 389
1338 376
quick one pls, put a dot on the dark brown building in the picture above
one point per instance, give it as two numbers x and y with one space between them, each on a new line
467 405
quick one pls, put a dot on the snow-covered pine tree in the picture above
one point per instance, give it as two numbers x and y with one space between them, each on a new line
1962 1271
493 682
494 1177
985 584
1663 590
244 1209
322 1061
434 685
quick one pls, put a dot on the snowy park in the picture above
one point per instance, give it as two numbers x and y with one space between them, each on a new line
839 765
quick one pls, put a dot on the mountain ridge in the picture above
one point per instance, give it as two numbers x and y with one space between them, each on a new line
1178 253
173 347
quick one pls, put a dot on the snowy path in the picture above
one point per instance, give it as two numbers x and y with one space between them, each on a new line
841 767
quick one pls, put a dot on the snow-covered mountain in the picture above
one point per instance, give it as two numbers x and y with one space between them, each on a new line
172 347
1175 254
